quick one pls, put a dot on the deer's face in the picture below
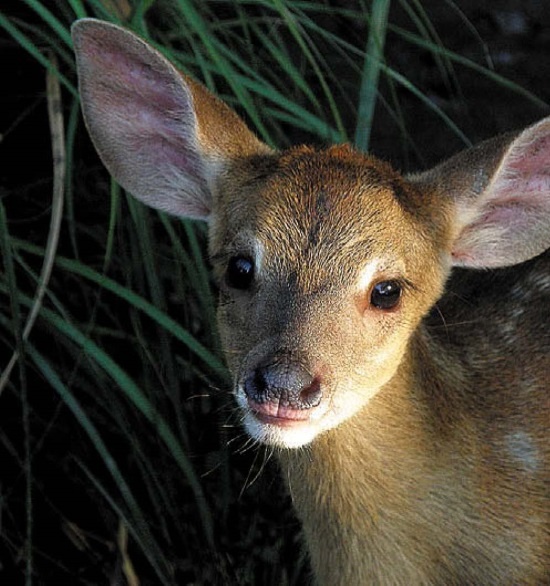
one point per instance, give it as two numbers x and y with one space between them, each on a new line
327 260
325 270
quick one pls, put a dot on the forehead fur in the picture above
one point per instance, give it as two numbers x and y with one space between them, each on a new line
306 205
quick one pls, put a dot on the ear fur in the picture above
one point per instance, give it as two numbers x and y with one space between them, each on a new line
164 137
500 191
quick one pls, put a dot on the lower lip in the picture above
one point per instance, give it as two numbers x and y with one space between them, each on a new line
283 417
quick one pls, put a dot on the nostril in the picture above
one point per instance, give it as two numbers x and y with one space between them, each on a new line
256 386
259 381
311 395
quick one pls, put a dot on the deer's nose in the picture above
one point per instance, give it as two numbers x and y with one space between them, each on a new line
286 383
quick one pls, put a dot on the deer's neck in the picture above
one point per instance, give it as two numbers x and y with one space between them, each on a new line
369 482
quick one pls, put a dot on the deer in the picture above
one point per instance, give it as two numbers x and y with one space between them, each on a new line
387 335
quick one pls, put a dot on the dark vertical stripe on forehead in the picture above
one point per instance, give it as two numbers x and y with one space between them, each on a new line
320 210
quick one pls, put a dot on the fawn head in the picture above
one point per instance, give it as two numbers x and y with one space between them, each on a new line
326 259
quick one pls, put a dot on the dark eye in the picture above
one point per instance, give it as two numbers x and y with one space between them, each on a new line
240 272
385 295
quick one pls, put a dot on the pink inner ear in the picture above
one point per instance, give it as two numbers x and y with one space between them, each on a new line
533 158
141 116
511 219
137 77
523 183
139 90
118 55
149 127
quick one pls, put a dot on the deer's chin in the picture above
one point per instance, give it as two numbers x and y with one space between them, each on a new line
280 432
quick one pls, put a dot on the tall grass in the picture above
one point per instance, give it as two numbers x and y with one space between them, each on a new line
122 457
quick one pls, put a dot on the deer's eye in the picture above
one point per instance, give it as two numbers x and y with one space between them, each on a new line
240 272
386 295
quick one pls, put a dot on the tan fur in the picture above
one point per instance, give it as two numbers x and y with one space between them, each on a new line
414 439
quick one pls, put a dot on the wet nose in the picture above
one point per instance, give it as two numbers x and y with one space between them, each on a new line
286 383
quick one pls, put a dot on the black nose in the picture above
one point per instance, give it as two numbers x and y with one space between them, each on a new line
286 383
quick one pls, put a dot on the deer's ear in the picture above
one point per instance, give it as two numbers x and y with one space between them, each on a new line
500 193
163 137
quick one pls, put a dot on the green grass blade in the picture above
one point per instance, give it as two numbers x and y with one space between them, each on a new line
33 50
296 30
378 24
141 531
48 17
210 360
499 80
200 27
139 400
